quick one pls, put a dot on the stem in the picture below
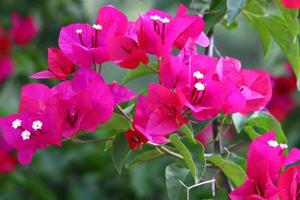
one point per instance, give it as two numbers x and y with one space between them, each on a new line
79 141
168 151
152 68
124 114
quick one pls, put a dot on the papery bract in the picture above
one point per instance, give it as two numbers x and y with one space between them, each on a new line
36 125
85 45
85 102
158 32
265 159
59 66
120 93
158 114
23 30
126 52
291 3
288 183
5 43
248 90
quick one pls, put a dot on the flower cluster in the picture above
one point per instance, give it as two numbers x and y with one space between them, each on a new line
190 86
21 32
268 176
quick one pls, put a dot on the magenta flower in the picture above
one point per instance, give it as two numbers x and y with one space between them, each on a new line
59 66
248 90
121 93
36 125
6 67
85 102
288 183
23 30
85 45
126 52
265 159
158 114
291 3
158 31
8 160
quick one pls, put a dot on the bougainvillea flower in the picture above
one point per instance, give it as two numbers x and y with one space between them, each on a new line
5 43
85 45
248 90
158 114
135 139
6 67
291 3
158 32
85 102
36 125
8 160
23 30
198 89
288 183
126 52
29 132
265 159
59 66
121 93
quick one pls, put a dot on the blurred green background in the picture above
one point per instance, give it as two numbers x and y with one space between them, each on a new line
85 171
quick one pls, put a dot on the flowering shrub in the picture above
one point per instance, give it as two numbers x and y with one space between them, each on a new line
198 100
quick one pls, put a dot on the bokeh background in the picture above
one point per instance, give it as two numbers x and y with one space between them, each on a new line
85 171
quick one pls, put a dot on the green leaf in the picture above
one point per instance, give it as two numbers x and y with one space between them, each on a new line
193 155
174 173
145 156
188 131
282 33
291 16
239 121
234 7
116 122
119 151
251 132
234 172
266 122
142 70
254 14
216 12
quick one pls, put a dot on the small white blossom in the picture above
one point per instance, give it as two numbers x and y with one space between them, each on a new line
273 143
155 17
283 146
25 135
36 125
164 20
198 75
16 124
97 27
200 86
79 31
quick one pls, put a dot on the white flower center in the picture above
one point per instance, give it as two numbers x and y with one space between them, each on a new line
79 31
283 146
16 124
158 18
98 27
273 143
200 86
25 135
198 75
36 125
